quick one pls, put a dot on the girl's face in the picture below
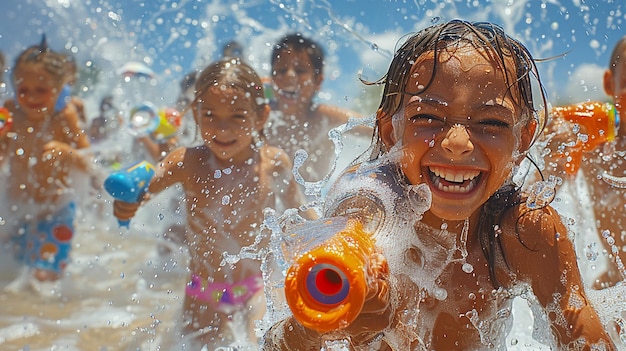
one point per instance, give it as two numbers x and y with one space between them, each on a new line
295 81
228 120
36 90
458 135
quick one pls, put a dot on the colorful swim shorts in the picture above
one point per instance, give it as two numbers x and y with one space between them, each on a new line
224 294
46 244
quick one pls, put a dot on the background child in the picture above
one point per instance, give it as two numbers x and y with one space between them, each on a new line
456 117
297 121
228 181
40 155
601 171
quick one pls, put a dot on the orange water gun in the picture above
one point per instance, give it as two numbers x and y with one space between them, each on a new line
326 286
599 122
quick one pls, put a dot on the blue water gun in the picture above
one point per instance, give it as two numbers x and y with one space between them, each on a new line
129 184
63 99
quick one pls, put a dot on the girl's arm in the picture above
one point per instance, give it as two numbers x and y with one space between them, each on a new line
338 116
75 132
168 172
544 256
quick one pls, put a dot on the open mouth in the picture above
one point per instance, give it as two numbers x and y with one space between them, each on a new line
289 94
454 181
223 143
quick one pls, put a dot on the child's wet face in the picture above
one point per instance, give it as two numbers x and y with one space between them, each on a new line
458 135
36 90
294 79
227 120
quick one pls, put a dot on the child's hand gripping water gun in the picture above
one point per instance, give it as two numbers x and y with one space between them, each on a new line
326 286
129 184
598 123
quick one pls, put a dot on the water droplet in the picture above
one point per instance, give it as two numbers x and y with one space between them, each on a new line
225 199
440 294
467 268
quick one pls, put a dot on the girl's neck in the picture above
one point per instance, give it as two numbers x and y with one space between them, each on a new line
452 225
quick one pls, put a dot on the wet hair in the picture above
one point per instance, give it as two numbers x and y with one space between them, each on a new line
234 74
617 54
298 42
491 39
484 36
53 62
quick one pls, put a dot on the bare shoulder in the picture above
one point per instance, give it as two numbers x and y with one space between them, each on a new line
174 161
535 227
536 243
336 114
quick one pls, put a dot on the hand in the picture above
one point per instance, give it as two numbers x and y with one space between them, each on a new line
54 163
375 317
377 312
124 211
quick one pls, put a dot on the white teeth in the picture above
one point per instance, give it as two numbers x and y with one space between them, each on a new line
456 177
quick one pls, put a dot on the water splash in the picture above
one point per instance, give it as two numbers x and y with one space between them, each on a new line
606 234
618 182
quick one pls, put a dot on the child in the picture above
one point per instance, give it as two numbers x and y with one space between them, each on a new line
228 181
297 122
40 154
456 117
601 168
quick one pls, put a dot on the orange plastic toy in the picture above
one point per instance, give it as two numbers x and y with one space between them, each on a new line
326 286
599 122
6 120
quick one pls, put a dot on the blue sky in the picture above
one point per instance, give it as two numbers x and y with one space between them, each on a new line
359 36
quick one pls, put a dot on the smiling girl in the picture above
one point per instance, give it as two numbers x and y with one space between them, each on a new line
458 115
228 181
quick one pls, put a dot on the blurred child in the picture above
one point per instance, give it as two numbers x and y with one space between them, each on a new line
228 181
41 153
297 121
601 167
108 121
457 115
